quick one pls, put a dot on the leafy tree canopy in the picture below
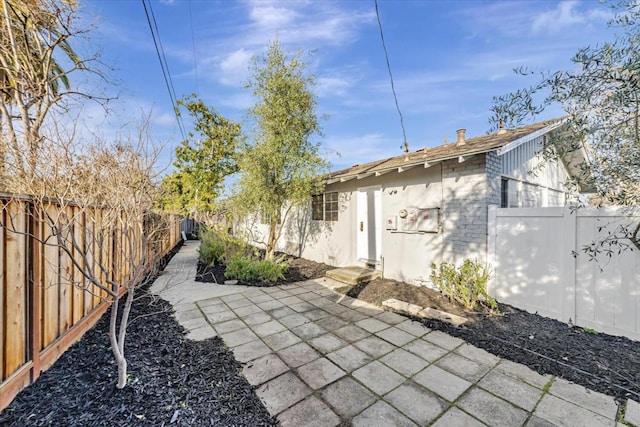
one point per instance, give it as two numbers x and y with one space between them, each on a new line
281 166
601 98
202 161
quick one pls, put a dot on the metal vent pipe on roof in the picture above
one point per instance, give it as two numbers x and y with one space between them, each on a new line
460 140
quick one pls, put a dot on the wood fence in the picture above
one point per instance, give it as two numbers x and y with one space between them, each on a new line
46 303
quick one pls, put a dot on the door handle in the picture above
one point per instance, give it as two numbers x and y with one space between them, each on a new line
361 225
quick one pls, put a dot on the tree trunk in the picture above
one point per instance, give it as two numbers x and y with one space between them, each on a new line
272 240
117 340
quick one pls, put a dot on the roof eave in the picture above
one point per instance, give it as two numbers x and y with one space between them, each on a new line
524 139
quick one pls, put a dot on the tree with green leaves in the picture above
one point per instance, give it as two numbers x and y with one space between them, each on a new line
600 96
202 161
281 166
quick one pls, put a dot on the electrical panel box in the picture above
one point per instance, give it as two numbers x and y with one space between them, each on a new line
419 220
392 223
428 220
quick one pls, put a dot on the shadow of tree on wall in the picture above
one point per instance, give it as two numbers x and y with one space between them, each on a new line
301 230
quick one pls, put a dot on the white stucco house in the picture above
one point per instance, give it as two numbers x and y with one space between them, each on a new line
400 214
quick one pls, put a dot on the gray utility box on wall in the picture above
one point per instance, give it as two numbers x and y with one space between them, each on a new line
415 220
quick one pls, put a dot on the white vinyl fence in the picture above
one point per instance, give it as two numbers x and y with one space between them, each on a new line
539 264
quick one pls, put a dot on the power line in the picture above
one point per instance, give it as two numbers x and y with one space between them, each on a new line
163 64
405 144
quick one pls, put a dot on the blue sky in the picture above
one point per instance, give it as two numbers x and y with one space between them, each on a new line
448 59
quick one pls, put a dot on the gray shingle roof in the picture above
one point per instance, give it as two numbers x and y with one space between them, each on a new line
476 145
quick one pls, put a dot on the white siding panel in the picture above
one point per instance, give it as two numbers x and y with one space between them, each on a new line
525 163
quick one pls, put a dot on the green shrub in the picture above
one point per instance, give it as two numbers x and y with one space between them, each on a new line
466 284
249 269
212 248
216 247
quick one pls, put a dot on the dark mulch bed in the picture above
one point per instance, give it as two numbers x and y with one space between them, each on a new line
601 362
300 269
173 381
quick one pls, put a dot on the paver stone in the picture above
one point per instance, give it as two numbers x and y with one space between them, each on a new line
251 350
491 410
282 392
511 389
263 369
298 354
319 373
442 382
561 412
349 358
311 412
348 397
463 367
378 377
281 340
416 403
404 362
381 414
455 417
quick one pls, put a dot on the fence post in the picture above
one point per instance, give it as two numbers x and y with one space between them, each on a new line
34 276
491 247
568 274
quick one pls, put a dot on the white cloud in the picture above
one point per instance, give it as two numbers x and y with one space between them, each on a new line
234 69
332 86
566 14
269 16
302 23
297 25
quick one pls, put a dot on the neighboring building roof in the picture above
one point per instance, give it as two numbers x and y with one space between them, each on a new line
505 139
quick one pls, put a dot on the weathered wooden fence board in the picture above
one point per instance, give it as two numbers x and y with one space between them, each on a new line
15 289
3 313
51 283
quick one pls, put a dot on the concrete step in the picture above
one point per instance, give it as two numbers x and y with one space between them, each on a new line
353 275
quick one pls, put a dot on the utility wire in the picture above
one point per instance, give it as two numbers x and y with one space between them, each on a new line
163 64
166 65
405 144
193 45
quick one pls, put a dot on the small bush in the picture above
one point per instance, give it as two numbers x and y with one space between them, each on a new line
466 285
250 269
218 247
212 248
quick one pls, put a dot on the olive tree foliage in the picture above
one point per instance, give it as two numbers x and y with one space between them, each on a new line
600 96
280 166
202 162
37 61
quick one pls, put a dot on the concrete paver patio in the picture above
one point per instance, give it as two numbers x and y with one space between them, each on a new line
318 358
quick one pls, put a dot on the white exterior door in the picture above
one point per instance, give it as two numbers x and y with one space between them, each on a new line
369 224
